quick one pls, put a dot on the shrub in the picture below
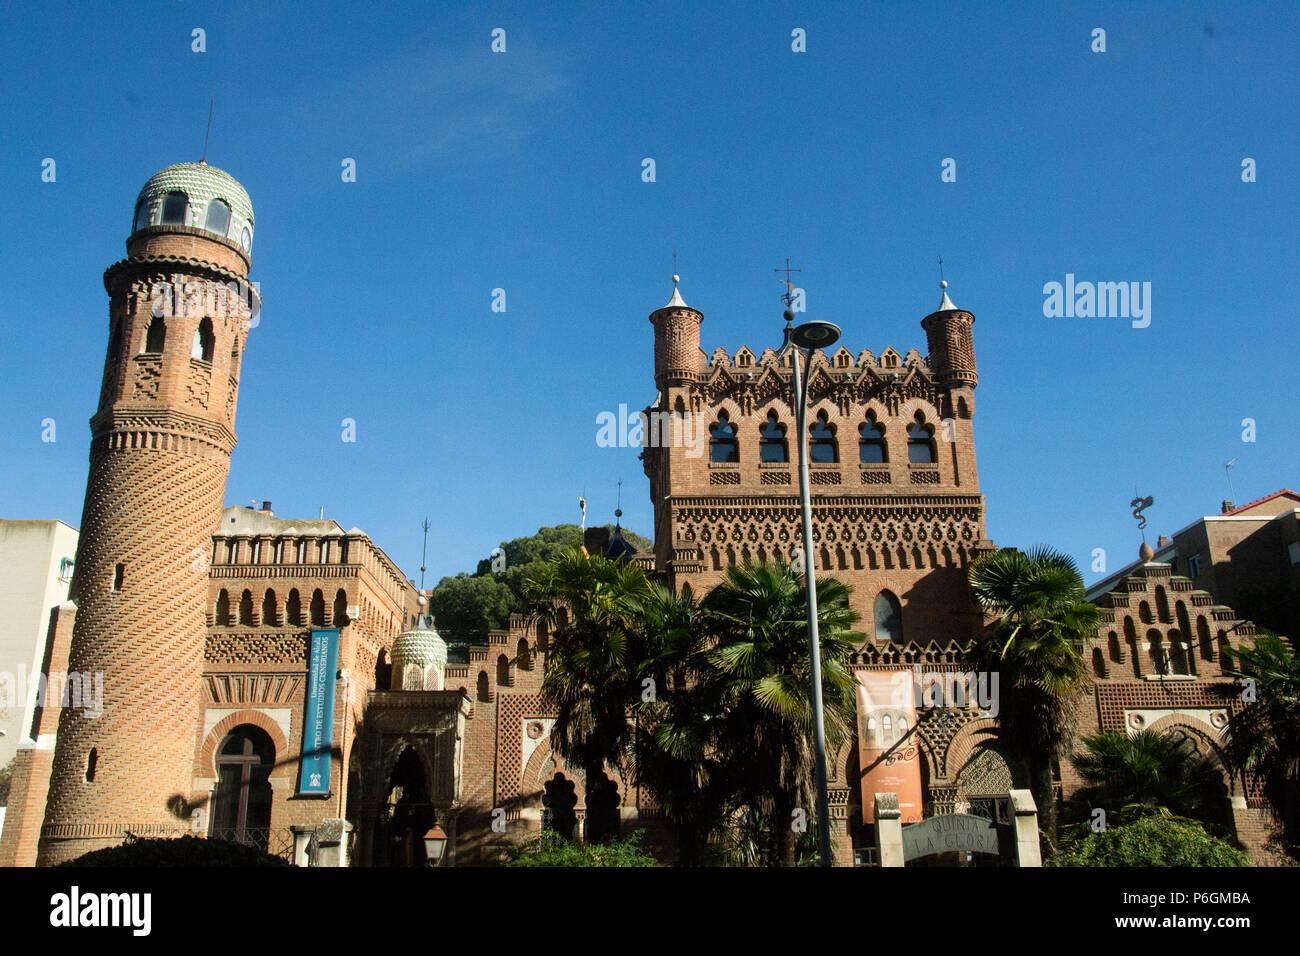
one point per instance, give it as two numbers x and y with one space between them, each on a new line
551 850
180 851
1153 840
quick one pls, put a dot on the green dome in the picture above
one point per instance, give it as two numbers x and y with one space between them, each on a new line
420 646
202 185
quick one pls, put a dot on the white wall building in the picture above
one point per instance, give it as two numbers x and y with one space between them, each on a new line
36 559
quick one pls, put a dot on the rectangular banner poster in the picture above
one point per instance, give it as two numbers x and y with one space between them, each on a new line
888 752
318 724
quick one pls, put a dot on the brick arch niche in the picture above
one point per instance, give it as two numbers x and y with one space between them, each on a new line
284 766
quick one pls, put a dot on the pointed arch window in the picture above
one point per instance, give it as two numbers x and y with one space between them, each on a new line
920 441
871 442
156 337
822 446
218 217
723 446
889 618
176 207
772 445
203 341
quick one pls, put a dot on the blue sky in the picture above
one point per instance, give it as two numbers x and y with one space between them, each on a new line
522 171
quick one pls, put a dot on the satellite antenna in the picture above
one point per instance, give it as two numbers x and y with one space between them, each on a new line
1232 495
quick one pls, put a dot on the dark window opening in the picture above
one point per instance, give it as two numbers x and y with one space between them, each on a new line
871 443
156 336
175 209
823 448
204 341
920 442
889 618
772 444
119 574
218 217
723 446
92 761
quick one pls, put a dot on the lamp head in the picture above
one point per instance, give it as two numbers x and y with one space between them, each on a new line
815 335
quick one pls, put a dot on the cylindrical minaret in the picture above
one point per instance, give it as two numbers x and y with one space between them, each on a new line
948 332
180 308
678 358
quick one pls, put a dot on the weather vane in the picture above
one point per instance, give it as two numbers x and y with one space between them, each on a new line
788 298
1139 505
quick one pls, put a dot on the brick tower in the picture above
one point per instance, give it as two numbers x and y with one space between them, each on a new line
179 313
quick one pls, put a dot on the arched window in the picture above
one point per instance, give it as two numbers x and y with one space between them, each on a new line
293 607
156 336
1162 605
203 341
141 215
889 618
503 671
317 609
241 801
871 444
1098 663
1178 654
822 448
771 444
270 613
484 692
92 761
341 608
920 441
722 440
886 729
246 607
176 207
218 217
523 656
1144 612
1159 654
223 607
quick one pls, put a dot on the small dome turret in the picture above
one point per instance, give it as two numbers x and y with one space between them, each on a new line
200 196
419 658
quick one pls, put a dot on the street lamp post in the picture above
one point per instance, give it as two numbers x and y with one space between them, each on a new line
805 338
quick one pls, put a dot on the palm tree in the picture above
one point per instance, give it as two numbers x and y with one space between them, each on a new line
591 606
1035 643
760 680
1148 769
676 719
1264 737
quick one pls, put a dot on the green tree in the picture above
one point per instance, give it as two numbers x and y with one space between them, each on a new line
6 780
1156 839
591 606
465 608
1264 737
677 719
1149 769
760 682
1035 644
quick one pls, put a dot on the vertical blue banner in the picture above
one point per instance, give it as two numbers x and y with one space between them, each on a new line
318 725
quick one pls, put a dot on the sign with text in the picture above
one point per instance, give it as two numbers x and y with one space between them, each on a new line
889 758
318 724
948 833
